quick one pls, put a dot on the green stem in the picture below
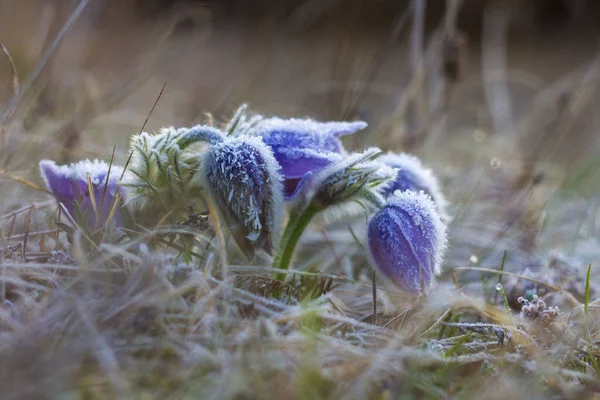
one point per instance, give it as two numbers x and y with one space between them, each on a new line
291 235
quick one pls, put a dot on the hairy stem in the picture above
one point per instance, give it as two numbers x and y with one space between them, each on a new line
200 133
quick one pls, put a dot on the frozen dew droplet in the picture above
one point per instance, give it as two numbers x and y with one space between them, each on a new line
499 287
474 259
495 162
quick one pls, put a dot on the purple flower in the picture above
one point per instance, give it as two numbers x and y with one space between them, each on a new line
407 239
244 182
414 176
69 184
303 147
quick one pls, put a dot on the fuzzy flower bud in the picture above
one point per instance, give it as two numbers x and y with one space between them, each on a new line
242 177
160 176
413 175
407 240
304 147
350 179
88 190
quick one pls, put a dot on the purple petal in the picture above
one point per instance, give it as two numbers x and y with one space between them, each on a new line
296 162
293 187
306 133
58 182
343 128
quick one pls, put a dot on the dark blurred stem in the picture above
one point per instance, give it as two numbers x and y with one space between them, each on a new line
291 235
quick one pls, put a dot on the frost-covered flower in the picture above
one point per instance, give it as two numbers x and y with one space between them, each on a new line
407 240
304 147
413 175
355 177
71 186
244 182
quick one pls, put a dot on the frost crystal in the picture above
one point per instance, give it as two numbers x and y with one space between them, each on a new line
407 240
242 176
70 185
304 147
413 175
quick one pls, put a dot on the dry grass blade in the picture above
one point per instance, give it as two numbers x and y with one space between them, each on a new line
23 181
27 227
4 125
14 102
112 158
92 196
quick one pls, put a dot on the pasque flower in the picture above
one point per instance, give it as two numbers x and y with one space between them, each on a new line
242 177
303 147
407 240
413 175
88 190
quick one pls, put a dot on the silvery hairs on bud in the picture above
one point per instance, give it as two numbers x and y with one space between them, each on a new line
243 179
353 178
160 176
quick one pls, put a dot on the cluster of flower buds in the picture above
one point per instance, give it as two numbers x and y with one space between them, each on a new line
251 168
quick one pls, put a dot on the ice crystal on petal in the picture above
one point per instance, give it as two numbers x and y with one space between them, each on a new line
407 241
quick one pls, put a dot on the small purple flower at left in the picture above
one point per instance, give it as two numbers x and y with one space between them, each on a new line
69 184
303 147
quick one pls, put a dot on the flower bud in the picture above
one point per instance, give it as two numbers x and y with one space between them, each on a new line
407 240
243 180
160 176
350 179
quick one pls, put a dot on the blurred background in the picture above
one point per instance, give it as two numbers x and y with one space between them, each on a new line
498 97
